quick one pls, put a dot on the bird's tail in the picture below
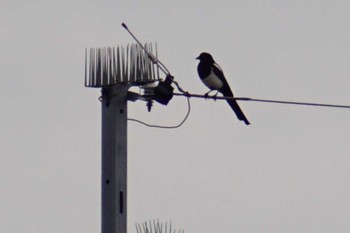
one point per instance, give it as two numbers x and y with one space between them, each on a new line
235 107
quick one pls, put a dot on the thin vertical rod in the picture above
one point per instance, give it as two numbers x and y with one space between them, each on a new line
86 83
114 159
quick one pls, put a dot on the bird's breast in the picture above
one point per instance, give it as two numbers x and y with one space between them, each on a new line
212 81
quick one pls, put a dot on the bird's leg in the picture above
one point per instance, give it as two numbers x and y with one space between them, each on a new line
206 95
216 94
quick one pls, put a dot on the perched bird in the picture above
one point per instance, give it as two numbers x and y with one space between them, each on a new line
213 77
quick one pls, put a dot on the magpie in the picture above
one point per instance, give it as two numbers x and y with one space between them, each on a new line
213 77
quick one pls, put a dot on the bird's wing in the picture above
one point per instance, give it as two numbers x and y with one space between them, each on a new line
226 90
218 67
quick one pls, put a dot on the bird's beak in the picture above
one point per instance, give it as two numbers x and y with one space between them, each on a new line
197 58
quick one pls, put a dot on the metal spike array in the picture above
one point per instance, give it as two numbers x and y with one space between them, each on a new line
108 66
154 226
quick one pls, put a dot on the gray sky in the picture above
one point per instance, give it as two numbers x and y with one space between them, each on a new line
287 172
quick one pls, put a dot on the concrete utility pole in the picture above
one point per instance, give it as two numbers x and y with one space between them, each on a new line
115 70
114 158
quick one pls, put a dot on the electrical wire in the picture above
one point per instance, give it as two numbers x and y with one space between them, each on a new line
163 68
154 59
188 95
164 126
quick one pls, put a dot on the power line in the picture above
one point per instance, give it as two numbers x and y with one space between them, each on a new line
189 95
262 100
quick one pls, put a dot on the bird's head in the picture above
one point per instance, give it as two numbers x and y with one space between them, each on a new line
206 57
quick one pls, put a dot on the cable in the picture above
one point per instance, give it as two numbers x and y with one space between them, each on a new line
156 61
261 100
166 127
184 93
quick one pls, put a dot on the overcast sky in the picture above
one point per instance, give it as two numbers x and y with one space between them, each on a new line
287 172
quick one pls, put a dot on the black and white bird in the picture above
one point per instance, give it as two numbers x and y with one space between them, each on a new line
213 77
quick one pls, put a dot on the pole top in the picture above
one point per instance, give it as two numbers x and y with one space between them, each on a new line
130 64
